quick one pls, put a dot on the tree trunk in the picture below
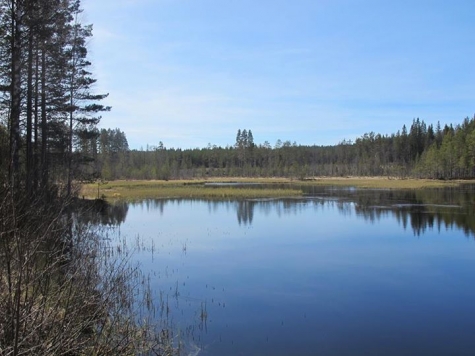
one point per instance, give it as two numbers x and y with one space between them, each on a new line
29 116
15 111
36 150
44 126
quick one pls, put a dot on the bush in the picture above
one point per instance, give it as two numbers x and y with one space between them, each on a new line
62 291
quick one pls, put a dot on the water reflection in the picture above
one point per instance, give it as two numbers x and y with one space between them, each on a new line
99 212
418 210
306 276
245 212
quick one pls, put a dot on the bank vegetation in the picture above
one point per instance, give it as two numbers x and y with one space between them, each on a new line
64 288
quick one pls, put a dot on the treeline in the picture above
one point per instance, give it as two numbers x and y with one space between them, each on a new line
422 151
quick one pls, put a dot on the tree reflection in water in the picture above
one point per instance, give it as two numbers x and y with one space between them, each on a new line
100 212
415 209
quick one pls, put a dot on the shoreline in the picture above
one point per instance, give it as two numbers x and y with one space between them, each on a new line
195 188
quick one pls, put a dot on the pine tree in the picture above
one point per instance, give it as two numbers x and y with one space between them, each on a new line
83 107
45 97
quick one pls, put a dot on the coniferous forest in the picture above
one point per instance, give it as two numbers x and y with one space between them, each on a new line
61 291
49 116
419 151
47 106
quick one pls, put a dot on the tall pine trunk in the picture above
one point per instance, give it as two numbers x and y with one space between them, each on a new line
29 117
37 93
15 110
44 125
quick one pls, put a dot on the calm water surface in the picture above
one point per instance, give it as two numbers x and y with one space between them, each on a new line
338 272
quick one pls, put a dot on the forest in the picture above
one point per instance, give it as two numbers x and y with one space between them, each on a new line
49 118
422 151
61 292
47 106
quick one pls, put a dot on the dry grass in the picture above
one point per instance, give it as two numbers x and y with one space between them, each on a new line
130 190
384 182
66 290
140 189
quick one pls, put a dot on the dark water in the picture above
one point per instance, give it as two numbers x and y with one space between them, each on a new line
338 272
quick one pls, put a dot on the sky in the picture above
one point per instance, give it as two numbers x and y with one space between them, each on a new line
191 73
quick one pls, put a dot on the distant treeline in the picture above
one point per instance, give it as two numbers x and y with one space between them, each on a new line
421 151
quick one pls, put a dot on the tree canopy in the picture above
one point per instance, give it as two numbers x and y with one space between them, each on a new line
420 151
47 107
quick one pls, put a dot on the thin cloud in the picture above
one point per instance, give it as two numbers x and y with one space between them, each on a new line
193 73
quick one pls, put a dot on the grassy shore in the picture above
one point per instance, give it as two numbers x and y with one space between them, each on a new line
384 182
131 190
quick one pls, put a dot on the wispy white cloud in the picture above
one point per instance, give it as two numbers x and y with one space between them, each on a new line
192 73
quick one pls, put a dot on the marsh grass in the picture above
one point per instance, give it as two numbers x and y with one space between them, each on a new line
133 189
384 182
130 190
64 291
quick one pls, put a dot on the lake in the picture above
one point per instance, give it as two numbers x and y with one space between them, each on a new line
337 272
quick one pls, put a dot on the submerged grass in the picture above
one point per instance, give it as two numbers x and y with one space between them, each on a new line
139 189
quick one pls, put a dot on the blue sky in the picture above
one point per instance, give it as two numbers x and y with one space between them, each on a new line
193 72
